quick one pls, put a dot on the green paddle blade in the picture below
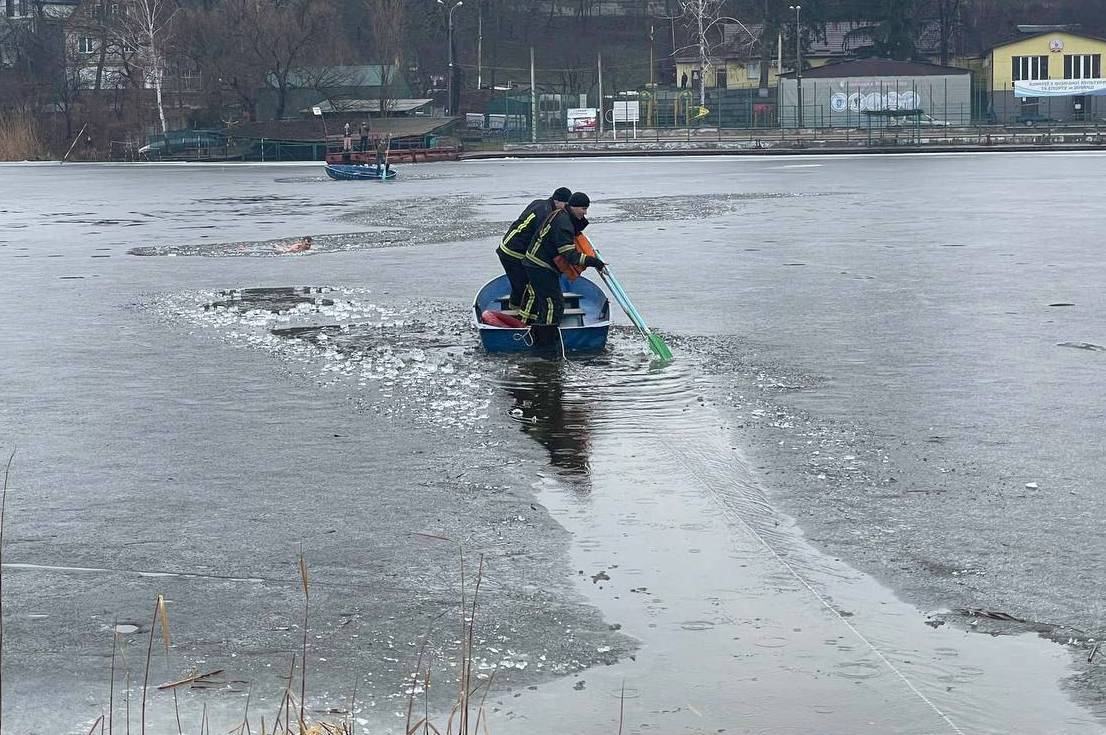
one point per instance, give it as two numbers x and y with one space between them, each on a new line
659 348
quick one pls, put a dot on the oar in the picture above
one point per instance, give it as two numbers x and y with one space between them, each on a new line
656 344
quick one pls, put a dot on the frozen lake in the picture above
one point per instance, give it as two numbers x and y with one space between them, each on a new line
866 497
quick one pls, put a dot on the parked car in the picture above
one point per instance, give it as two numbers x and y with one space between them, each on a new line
1031 119
921 119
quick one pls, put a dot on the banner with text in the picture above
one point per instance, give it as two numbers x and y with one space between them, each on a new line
1060 88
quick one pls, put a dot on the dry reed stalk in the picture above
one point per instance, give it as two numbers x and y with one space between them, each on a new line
464 655
287 695
467 664
161 615
487 688
111 686
194 678
426 702
303 661
621 706
99 721
128 697
3 507
19 140
411 697
352 704
246 714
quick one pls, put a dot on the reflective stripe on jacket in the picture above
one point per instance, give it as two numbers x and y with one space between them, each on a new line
521 231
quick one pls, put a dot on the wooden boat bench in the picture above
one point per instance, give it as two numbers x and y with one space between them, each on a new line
572 301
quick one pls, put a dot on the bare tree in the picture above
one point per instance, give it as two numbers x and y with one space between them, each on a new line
213 39
146 30
388 19
285 37
706 25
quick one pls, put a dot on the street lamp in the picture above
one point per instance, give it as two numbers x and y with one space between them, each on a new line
459 3
798 60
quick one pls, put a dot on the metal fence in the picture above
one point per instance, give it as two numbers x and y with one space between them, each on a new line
959 114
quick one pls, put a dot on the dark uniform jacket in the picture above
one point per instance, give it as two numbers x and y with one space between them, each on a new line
522 230
557 236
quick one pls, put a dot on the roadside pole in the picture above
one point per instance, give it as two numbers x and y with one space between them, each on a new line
599 135
533 101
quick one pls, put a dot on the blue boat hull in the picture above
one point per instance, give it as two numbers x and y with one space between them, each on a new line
358 172
591 337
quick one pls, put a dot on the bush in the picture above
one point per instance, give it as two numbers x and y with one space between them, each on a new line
19 138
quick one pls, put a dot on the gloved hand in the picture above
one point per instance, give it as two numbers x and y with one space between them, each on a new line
594 262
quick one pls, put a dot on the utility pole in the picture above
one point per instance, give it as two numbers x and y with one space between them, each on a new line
450 104
650 112
533 101
798 60
599 57
479 43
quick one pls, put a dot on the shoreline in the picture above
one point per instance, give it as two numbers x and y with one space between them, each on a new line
614 150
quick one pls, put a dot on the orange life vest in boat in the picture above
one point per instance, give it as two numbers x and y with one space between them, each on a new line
572 272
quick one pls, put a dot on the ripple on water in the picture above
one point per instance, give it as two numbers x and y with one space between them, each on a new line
857 670
697 625
772 641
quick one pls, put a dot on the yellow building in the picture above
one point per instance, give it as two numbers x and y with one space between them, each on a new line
1048 76
736 64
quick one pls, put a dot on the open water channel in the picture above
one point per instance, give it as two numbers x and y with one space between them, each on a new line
865 497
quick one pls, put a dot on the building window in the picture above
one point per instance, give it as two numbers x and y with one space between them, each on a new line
1083 66
752 70
1027 68
86 45
720 77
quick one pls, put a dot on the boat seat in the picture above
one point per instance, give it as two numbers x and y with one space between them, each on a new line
572 301
573 318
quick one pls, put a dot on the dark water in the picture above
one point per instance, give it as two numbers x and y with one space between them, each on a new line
850 394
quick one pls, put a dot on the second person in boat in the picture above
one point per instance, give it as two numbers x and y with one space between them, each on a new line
512 249
543 302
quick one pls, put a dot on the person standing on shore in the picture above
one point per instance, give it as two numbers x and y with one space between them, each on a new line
512 249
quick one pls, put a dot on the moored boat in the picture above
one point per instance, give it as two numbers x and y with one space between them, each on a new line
359 171
584 328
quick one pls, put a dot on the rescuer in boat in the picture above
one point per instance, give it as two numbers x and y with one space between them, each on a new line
553 251
512 249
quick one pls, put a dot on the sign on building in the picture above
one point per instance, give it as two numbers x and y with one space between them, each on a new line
1060 88
582 119
863 96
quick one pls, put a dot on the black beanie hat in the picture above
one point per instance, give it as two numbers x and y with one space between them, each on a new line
563 194
579 199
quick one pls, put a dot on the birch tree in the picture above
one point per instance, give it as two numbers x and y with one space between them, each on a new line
706 26
146 27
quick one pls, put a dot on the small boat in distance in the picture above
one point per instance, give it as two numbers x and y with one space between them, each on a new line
587 318
359 171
